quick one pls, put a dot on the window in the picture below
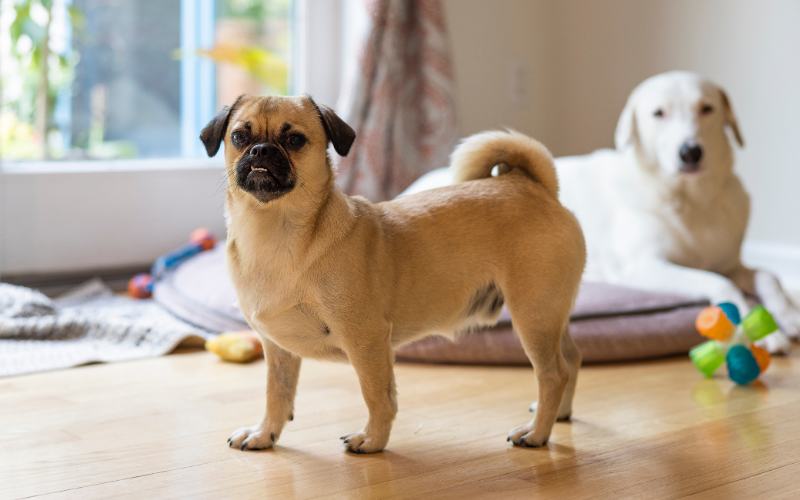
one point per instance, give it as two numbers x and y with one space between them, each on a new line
76 213
115 79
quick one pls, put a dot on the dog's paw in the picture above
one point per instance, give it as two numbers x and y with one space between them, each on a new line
562 417
777 343
523 436
789 321
361 442
257 437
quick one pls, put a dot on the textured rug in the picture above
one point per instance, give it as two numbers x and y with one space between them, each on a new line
89 324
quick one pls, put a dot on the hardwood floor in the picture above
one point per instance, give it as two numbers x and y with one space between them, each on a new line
157 428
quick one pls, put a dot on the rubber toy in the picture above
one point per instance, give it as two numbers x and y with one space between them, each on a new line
141 285
236 347
731 342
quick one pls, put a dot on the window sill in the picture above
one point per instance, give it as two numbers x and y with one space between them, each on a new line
110 166
69 216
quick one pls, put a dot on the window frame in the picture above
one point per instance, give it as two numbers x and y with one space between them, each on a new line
32 192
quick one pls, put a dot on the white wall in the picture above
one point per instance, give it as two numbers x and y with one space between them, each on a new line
503 54
582 58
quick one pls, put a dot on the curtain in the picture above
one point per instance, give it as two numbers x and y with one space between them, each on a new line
401 100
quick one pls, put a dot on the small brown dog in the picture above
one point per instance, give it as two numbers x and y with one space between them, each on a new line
326 275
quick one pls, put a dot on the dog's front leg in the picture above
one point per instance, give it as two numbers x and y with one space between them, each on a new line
786 312
769 291
668 277
663 276
283 370
373 359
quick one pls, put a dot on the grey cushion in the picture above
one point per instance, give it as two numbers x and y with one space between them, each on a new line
609 323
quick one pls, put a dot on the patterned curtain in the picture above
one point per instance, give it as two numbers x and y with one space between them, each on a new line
401 103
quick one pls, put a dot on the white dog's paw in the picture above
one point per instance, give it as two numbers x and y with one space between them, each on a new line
361 442
565 416
777 343
257 437
789 321
523 436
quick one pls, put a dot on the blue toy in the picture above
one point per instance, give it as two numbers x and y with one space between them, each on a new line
141 285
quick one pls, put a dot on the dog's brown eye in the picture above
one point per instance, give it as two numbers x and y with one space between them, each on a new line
239 138
296 141
707 109
659 113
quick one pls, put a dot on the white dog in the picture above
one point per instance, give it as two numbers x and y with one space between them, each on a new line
664 211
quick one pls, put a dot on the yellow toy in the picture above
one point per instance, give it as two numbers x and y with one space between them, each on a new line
237 347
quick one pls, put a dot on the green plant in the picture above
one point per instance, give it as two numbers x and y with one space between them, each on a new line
45 69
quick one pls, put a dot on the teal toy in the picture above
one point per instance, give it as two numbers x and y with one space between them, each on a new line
731 311
742 365
731 342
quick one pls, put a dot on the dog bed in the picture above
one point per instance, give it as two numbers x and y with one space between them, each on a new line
609 323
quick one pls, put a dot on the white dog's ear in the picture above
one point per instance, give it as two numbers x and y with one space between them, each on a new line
626 126
730 118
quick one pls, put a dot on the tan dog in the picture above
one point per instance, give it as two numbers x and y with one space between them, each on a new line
324 275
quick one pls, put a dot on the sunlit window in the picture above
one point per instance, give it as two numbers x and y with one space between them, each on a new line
112 79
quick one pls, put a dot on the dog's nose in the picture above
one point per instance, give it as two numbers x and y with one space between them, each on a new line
691 153
264 151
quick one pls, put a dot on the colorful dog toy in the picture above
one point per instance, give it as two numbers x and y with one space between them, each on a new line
141 285
732 340
237 347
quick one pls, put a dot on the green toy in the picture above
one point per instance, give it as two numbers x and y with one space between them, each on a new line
732 342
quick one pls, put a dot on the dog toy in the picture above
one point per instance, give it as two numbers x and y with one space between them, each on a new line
237 347
141 285
731 341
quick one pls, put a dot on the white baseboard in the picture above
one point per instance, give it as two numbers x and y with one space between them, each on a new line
780 258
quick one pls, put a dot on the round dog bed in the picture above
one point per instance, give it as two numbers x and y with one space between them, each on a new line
609 323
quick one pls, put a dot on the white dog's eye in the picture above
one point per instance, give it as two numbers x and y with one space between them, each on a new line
659 113
706 109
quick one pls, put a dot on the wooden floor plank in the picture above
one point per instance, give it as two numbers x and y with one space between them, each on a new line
157 429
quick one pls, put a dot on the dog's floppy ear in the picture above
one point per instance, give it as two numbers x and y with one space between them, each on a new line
213 133
626 125
339 133
730 119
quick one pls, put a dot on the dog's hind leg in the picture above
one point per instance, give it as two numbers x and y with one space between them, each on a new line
574 359
542 340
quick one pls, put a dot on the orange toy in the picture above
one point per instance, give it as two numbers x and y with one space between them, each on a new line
762 357
712 322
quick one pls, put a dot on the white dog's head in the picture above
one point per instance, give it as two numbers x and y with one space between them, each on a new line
676 124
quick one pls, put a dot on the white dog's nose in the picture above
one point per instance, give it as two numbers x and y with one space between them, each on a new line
691 153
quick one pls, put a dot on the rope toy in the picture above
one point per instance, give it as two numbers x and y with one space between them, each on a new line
141 285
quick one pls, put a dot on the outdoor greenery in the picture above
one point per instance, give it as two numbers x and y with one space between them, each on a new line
39 51
44 65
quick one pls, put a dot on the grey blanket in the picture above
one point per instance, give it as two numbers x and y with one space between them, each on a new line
89 324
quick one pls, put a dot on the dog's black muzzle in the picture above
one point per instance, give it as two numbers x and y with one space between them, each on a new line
265 172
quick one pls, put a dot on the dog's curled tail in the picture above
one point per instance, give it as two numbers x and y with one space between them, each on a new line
478 154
